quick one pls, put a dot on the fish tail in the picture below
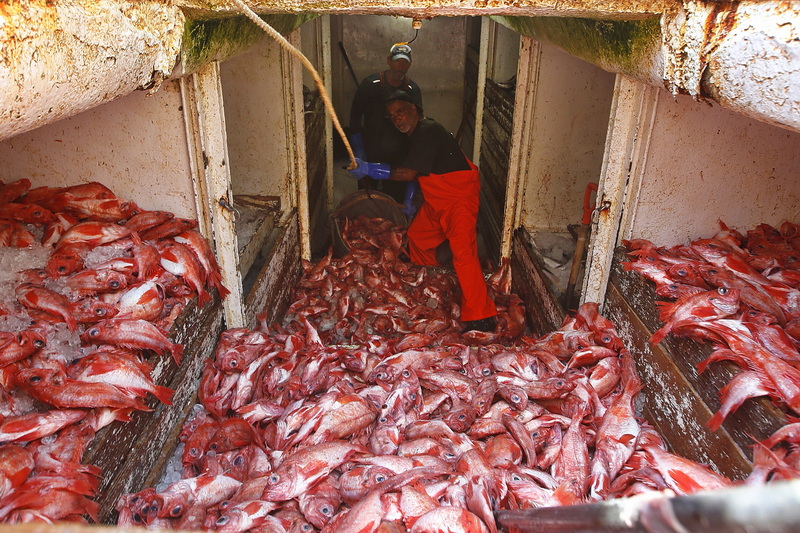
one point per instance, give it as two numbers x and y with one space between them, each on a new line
164 394
215 279
177 351
715 421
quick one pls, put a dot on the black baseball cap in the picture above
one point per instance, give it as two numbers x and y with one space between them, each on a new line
403 96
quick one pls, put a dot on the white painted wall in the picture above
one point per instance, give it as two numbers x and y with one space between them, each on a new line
135 145
573 100
255 121
437 67
505 55
705 163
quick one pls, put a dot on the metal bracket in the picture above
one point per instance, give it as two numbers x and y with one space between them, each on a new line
223 203
605 205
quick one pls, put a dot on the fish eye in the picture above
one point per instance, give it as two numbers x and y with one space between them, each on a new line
137 518
486 372
35 379
39 343
713 271
380 477
100 311
723 290
306 527
233 363
238 461
213 446
382 419
406 373
176 511
381 375
683 272
222 520
62 268
274 478
114 284
515 398
461 417
94 332
327 510
515 477
194 452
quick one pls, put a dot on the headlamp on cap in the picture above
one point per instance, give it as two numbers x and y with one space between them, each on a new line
400 51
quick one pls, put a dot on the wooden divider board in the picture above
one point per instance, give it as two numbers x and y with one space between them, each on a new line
676 399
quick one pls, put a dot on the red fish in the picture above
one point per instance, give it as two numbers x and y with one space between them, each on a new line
202 250
146 257
142 302
90 310
14 234
10 192
16 464
706 305
685 476
121 369
34 297
18 346
93 234
180 261
67 260
169 228
144 220
53 387
26 428
27 213
88 282
102 209
54 229
134 334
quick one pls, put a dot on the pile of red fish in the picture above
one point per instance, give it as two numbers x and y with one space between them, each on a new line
742 293
365 410
75 337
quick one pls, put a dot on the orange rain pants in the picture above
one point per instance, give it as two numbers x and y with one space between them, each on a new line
450 212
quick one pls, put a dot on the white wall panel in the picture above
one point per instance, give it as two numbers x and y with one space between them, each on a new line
706 163
135 145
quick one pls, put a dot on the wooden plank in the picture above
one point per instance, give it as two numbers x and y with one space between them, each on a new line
254 222
131 455
544 313
280 273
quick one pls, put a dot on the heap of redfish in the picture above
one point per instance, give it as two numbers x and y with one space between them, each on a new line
365 410
76 336
742 293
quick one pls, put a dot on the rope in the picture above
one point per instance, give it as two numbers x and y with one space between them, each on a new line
286 45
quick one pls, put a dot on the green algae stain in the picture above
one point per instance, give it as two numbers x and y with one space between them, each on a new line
625 46
219 39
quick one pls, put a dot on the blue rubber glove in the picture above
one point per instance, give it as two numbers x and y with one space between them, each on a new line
357 143
409 207
378 171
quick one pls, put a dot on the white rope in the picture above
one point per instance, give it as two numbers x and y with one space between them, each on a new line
306 63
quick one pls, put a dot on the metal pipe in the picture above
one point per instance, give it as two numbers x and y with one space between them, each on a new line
771 508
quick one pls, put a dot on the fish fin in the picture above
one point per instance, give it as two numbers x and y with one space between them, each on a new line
177 351
164 394
659 335
684 481
665 310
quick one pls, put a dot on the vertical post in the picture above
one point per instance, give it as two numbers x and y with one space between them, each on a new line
519 158
327 79
487 28
292 80
629 128
205 121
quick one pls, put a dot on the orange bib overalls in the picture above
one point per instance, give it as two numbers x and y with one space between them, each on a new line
450 212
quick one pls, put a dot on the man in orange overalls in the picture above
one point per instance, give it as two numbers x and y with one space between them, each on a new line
451 190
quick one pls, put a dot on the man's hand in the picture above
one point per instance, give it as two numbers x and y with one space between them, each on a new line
378 171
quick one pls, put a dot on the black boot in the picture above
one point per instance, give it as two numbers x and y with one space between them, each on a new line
484 324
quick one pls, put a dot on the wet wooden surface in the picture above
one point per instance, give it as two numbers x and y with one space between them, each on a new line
678 399
544 313
132 454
